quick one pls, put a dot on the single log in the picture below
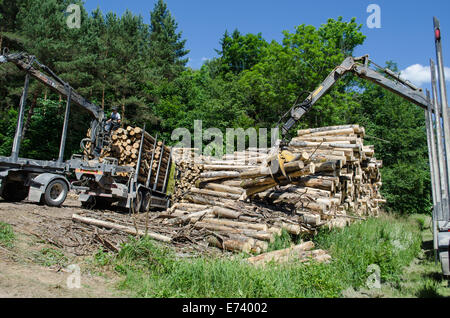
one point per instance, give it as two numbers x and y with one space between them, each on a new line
260 235
276 255
224 188
235 245
234 224
225 195
226 213
221 174
122 228
324 129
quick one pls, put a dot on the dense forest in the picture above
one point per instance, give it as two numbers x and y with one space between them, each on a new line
141 68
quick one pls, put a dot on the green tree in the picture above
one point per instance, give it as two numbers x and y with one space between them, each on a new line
241 52
297 66
167 49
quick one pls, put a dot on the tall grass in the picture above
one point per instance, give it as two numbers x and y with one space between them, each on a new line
151 270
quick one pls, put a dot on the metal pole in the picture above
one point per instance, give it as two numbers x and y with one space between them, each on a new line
159 166
430 155
66 124
443 96
440 148
147 183
138 164
435 183
18 136
167 171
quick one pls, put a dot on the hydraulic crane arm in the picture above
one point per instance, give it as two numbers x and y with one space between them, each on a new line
360 67
26 63
45 75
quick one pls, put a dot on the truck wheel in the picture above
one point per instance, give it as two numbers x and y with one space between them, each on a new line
137 202
15 192
146 203
102 203
56 193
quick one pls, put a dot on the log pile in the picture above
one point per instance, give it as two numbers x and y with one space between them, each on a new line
330 179
348 169
125 145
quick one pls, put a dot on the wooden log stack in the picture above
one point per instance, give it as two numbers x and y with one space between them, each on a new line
332 179
125 145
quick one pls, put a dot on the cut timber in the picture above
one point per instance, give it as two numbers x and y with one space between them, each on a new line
219 194
122 228
327 129
236 245
260 235
224 188
225 222
226 213
276 255
221 174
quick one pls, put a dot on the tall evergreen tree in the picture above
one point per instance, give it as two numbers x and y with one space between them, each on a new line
166 46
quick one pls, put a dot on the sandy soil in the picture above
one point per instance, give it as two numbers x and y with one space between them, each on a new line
23 272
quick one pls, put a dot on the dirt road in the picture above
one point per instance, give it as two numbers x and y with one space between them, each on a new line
33 267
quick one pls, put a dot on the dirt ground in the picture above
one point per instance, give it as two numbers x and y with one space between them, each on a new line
35 267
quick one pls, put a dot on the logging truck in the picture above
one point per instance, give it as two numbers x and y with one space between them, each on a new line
99 180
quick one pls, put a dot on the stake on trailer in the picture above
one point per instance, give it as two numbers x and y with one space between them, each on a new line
440 147
443 100
18 136
66 124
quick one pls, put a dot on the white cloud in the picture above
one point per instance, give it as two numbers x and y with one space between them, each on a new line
204 59
419 74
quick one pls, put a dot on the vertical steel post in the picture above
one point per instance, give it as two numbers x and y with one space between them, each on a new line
430 155
66 124
435 182
138 164
147 184
169 162
18 136
443 99
159 166
440 147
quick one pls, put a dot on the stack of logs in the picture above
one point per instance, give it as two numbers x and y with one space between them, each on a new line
125 145
349 171
331 179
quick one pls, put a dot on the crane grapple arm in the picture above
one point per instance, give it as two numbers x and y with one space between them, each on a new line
360 67
26 63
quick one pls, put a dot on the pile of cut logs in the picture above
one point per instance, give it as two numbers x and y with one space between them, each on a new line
125 145
329 178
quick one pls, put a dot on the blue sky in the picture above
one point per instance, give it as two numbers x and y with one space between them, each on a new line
405 36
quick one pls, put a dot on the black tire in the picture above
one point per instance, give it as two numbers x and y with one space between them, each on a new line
145 207
89 204
102 203
15 192
97 203
137 202
56 193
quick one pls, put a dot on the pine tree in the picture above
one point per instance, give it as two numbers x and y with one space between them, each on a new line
166 46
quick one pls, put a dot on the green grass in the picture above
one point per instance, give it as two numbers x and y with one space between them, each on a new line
7 236
50 257
389 242
423 277
151 270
